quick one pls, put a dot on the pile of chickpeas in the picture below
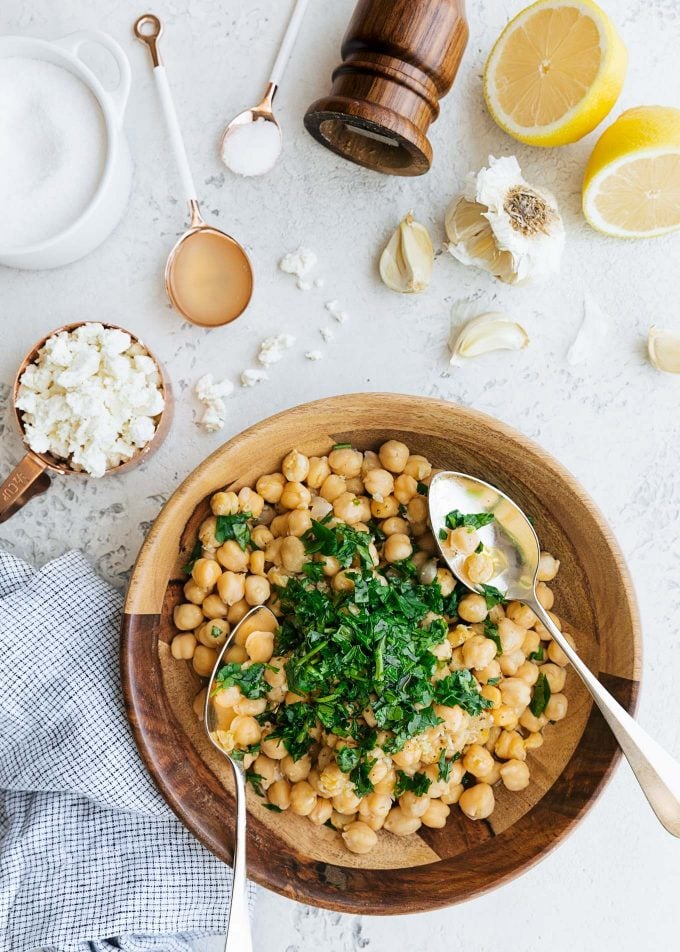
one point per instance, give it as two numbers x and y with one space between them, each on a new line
483 752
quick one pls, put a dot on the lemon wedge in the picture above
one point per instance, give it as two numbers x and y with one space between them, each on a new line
555 72
631 187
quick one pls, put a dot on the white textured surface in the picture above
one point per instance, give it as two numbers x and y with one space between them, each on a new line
613 421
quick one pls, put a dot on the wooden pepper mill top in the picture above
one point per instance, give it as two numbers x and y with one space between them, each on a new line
400 58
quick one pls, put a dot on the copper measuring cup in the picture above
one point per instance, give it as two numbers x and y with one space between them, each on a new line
30 477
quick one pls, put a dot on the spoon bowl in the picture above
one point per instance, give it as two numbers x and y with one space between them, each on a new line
513 544
262 128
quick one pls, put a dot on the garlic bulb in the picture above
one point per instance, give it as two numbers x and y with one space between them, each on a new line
663 348
406 263
505 226
482 334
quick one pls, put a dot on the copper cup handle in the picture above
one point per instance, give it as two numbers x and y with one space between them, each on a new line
28 479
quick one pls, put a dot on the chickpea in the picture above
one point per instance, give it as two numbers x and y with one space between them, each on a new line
321 813
511 662
409 755
397 547
359 837
510 746
531 643
318 471
477 760
379 483
237 611
555 676
394 525
348 508
214 607
521 614
496 614
193 592
528 672
279 794
379 770
250 501
477 802
251 706
548 567
332 781
261 537
296 770
511 635
256 563
246 730
386 508
490 673
273 747
231 587
260 646
206 533
376 804
332 487
515 775
401 825
342 582
479 568
413 806
454 718
472 608
478 652
463 540
418 467
435 815
370 461
556 708
505 716
355 485
386 785
417 511
276 678
531 723
183 647
533 741
346 801
266 768
340 821
394 456
302 798
295 496
224 504
258 590
204 661
405 488
556 655
213 633
231 556
346 462
205 573
235 654
545 596
293 555
270 487
187 616
446 581
443 651
299 521
515 693
199 703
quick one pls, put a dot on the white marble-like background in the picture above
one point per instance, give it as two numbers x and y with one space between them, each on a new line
613 421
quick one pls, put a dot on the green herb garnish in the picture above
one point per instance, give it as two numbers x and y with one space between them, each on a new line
469 520
273 807
342 446
460 688
443 535
541 696
444 767
215 631
537 655
256 781
234 527
492 595
418 784
250 680
491 631
423 489
196 553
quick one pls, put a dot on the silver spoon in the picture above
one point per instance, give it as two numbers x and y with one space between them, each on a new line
263 112
513 536
239 937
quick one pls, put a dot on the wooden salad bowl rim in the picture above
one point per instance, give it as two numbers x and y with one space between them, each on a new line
466 859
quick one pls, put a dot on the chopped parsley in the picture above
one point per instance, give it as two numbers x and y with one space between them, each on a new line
418 784
444 767
193 559
460 688
343 542
491 631
256 780
234 527
342 446
492 595
469 520
422 488
273 807
250 680
215 631
537 655
541 696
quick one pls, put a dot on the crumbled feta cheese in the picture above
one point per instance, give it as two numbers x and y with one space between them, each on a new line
335 311
211 395
250 378
299 262
90 398
314 355
304 285
273 349
319 282
327 334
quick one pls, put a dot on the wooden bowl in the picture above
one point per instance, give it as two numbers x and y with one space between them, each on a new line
433 868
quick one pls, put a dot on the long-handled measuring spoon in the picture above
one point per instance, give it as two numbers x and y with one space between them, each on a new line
208 276
252 142
512 536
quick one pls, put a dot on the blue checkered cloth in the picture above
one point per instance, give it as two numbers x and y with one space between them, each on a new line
91 858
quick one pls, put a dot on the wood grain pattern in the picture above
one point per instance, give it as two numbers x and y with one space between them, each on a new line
437 867
400 57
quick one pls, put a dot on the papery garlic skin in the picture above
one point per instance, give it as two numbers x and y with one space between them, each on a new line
505 226
482 334
406 263
663 348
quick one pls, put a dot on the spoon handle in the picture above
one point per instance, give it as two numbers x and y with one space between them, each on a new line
656 771
288 42
239 938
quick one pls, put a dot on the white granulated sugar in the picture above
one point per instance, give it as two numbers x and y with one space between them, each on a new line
314 355
298 263
52 150
250 378
212 395
273 349
336 312
252 148
92 397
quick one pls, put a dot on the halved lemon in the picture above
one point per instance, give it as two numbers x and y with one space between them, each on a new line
631 187
555 72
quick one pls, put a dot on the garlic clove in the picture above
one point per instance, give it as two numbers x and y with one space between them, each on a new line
487 332
406 263
472 242
663 348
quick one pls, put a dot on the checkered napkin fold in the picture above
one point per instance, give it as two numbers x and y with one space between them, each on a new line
88 848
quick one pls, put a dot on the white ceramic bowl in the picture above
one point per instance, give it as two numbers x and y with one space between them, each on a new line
109 201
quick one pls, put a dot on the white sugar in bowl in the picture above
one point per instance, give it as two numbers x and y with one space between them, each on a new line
65 165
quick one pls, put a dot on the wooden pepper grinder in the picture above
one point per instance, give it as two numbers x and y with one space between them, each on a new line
400 58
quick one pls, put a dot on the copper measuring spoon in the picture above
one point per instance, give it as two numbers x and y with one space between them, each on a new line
239 937
208 275
30 477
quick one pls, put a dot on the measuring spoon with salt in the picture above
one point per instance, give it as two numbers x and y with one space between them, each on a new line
208 275
252 142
